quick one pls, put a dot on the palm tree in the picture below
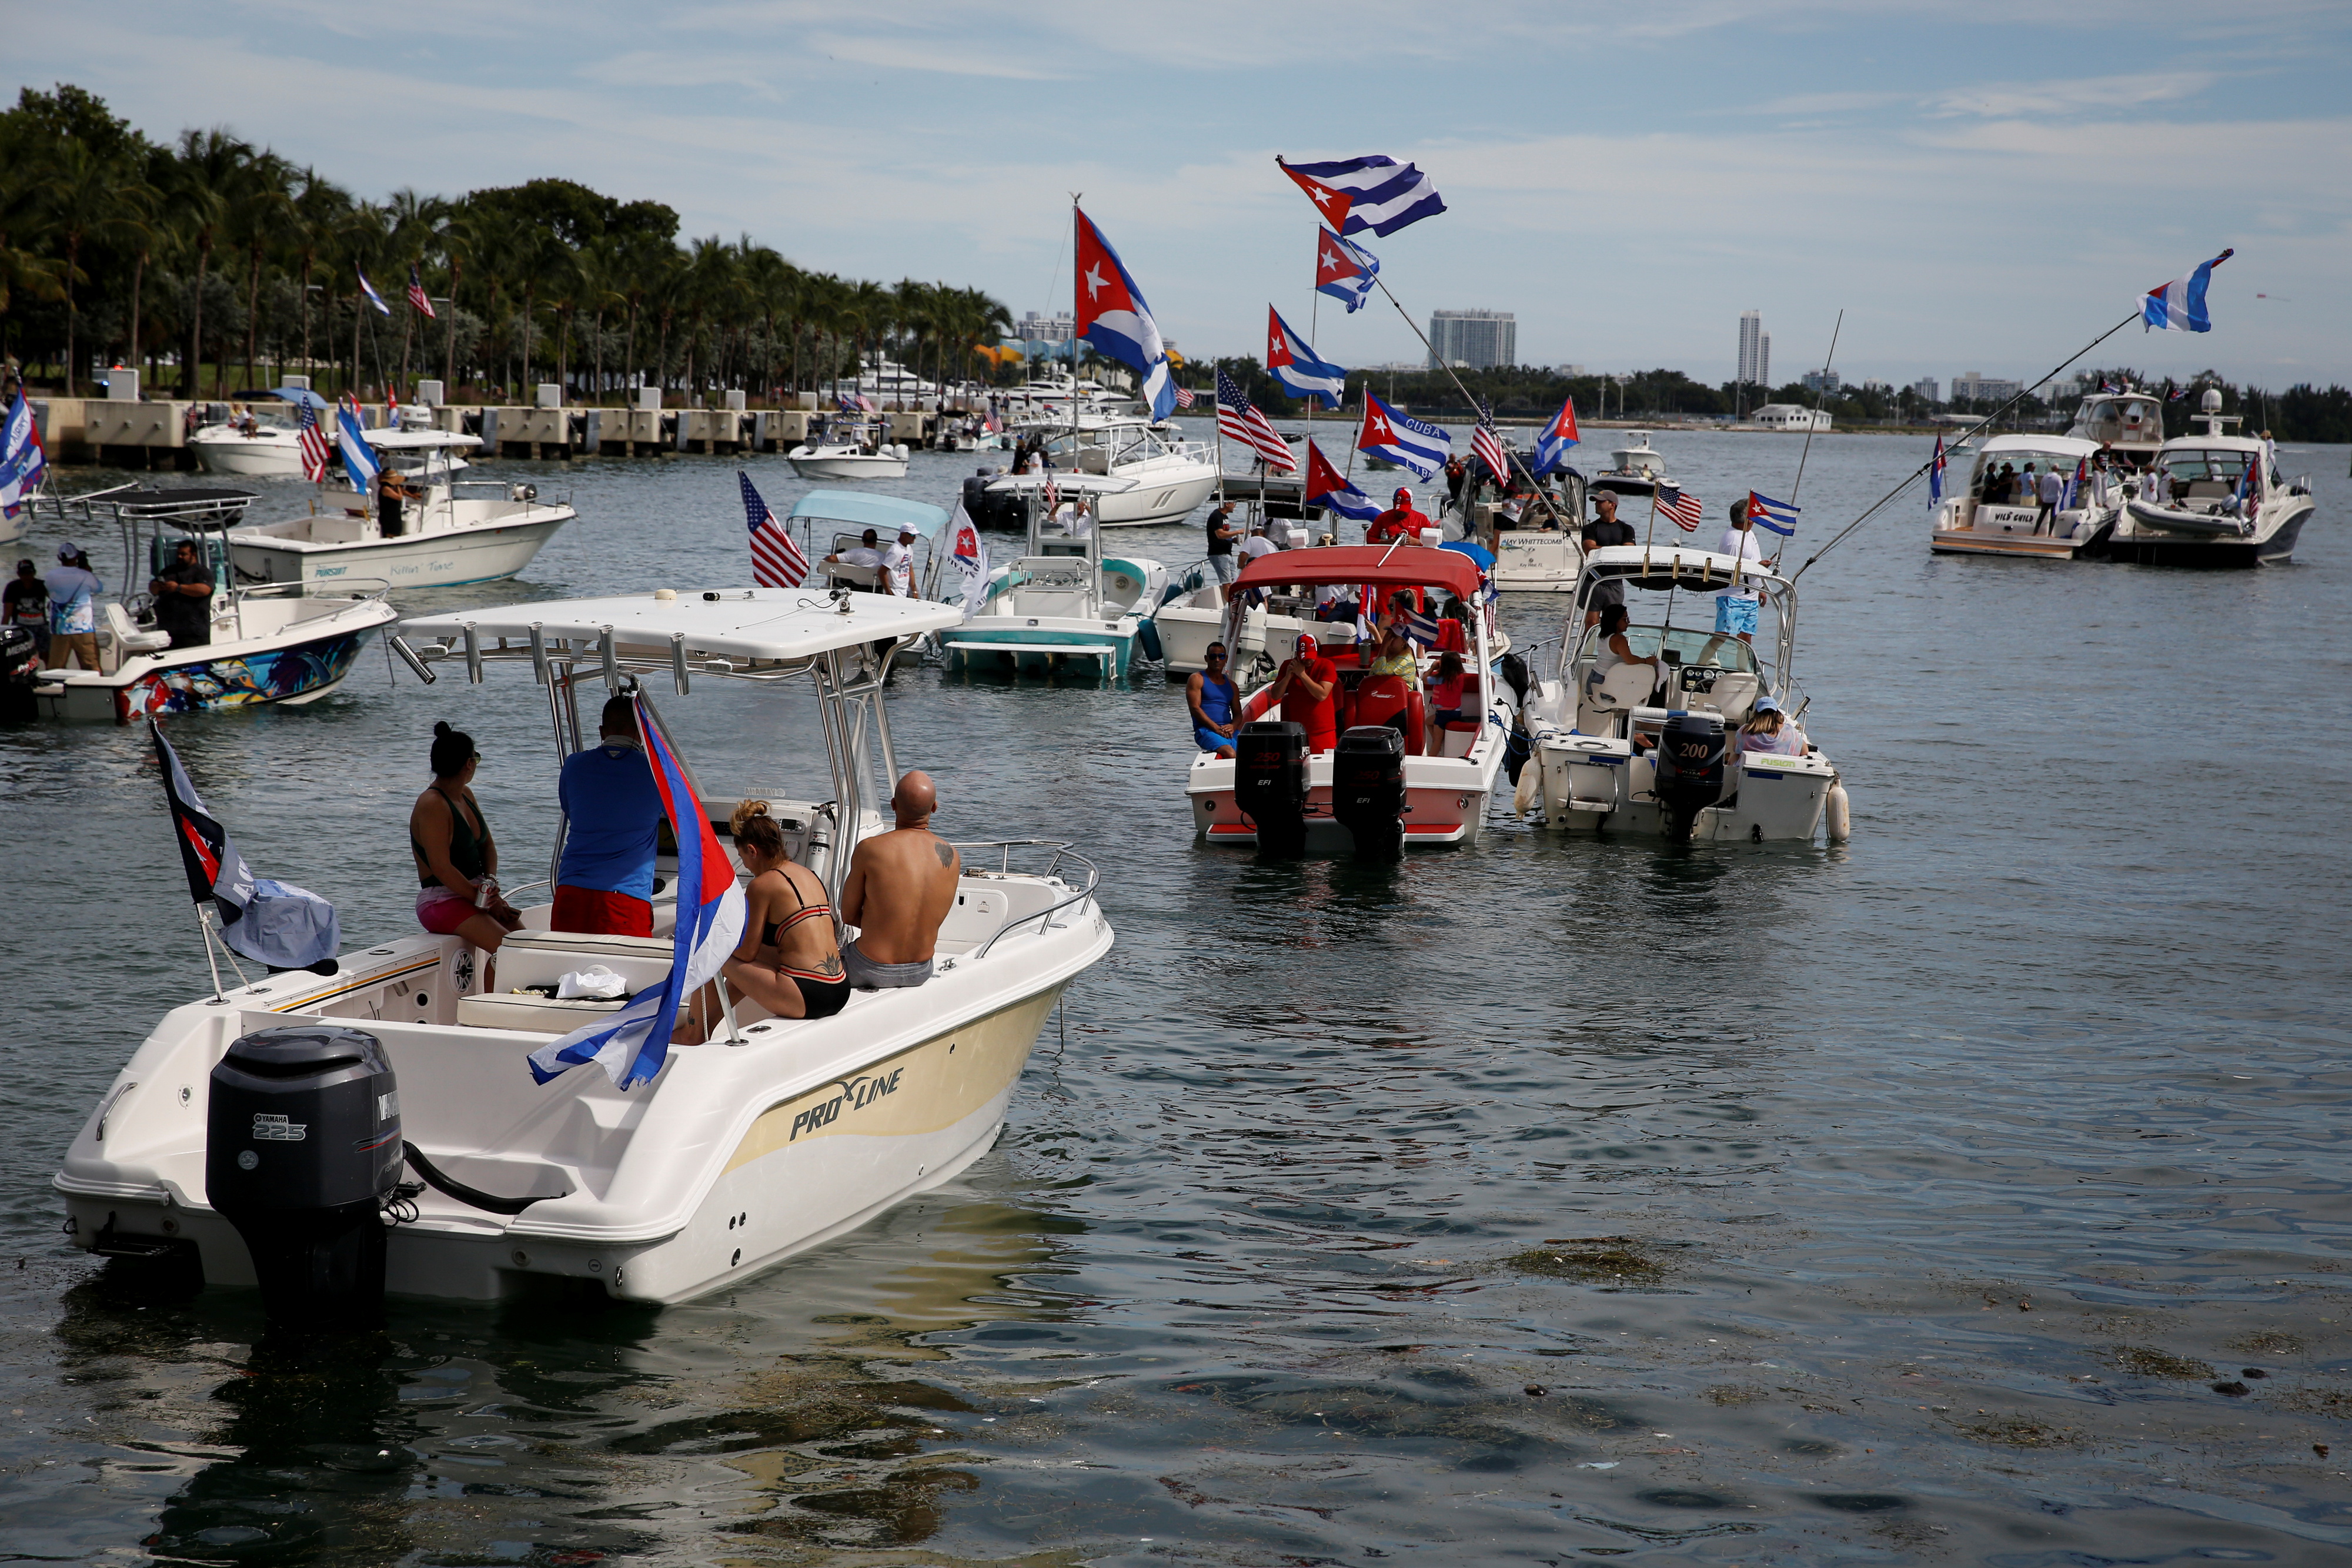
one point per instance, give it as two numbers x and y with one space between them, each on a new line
206 178
768 280
317 208
85 201
453 236
413 219
360 237
260 213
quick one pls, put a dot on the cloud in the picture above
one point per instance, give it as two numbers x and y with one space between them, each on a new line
897 52
2071 95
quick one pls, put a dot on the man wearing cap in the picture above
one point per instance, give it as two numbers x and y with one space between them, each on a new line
1400 521
73 609
1601 532
1304 687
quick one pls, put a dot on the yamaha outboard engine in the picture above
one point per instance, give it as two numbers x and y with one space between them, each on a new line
1367 789
1690 769
1270 783
302 1147
16 677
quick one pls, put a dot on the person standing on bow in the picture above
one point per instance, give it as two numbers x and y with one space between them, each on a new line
1602 532
1736 606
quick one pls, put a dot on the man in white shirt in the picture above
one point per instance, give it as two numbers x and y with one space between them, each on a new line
899 566
2053 489
1261 543
862 554
1735 607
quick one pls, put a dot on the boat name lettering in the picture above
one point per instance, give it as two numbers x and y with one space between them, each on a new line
330 571
268 1129
856 1093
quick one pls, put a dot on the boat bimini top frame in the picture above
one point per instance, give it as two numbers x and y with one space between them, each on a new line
766 636
1668 570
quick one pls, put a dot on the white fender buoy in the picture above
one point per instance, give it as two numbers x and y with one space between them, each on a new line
1841 815
1530 782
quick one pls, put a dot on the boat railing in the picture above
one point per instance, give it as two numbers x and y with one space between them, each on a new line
1062 850
363 587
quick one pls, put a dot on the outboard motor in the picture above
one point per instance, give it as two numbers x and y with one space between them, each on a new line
1690 769
16 677
302 1147
975 494
1367 789
1270 784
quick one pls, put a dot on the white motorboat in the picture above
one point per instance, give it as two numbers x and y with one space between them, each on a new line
1598 734
1978 518
1258 637
264 645
2217 499
458 531
1545 551
766 1141
2126 421
1370 793
836 522
1062 604
256 445
850 449
1172 476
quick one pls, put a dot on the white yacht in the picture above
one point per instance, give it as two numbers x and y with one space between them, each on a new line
1171 476
2127 422
850 449
1063 603
1631 748
255 444
767 1140
1981 517
2214 499
457 531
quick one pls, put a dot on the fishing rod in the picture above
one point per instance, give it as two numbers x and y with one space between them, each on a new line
1986 423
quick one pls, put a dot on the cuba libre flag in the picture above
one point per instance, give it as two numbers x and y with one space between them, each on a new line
2180 305
1290 360
1113 317
1935 474
1551 447
1402 440
1373 193
216 869
1327 489
969 551
632 1045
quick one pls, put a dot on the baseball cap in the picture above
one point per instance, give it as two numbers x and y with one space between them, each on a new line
1306 646
1766 704
1403 493
68 550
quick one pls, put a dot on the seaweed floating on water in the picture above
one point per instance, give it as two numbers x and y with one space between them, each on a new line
1595 1260
2149 1361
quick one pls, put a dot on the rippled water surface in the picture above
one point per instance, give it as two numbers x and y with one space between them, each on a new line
1975 1192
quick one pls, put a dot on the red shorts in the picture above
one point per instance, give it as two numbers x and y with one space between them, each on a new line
595 913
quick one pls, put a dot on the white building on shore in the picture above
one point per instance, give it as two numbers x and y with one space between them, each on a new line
1790 416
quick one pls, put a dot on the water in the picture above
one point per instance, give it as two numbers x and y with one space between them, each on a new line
1896 1203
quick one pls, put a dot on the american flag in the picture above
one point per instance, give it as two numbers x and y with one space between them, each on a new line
1184 397
1489 445
416 294
1238 421
313 439
776 560
1684 508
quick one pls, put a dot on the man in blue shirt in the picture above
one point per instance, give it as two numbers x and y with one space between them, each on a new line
604 885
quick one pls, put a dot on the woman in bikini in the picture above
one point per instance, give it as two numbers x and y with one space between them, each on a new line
456 859
790 960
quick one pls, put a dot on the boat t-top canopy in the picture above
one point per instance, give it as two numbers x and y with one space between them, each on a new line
1062 483
2040 446
1662 567
1382 566
885 515
390 440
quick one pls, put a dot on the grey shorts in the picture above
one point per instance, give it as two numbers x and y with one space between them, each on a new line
865 975
1223 565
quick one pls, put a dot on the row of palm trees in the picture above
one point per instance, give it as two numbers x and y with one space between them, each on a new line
212 253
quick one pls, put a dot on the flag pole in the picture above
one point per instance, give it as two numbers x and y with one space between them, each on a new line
205 926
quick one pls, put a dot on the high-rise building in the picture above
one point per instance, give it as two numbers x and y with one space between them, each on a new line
1479 340
1755 349
1974 388
1927 390
1823 380
1059 328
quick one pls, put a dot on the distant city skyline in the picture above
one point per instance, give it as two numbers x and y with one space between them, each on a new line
1481 340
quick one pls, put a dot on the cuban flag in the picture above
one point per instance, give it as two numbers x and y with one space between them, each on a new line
24 464
969 551
1402 440
2180 305
1325 487
632 1045
1344 270
1935 474
368 289
1290 360
1113 317
359 458
1780 517
1552 444
1373 193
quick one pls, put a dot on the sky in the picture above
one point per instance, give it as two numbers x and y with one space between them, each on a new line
1981 187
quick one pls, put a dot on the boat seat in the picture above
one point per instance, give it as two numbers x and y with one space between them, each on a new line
128 639
1601 708
530 1013
1734 696
590 944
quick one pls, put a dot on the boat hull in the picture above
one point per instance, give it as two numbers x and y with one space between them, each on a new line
848 466
2139 546
1536 561
1021 646
1186 632
294 668
1154 500
259 456
442 558
1593 786
1445 798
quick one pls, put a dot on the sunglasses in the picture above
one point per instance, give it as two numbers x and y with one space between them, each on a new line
1214 656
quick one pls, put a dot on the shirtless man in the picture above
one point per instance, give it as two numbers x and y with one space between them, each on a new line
901 886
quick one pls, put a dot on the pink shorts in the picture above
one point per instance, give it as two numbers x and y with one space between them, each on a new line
441 911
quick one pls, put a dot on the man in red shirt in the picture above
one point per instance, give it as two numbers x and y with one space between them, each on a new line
1400 521
1304 686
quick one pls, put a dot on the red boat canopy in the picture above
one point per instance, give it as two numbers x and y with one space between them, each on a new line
1379 565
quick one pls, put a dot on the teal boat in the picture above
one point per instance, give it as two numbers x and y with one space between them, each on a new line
1062 606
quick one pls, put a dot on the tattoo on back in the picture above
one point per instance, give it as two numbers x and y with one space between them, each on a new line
946 854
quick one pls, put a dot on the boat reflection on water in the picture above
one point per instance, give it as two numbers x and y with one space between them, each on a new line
559 1427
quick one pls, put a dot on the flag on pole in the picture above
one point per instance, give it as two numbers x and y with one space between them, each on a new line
1184 397
359 458
1291 361
418 298
1380 194
1239 419
373 296
1778 516
1327 489
776 560
1681 505
216 869
312 440
273 923
2180 305
1489 446
1551 447
1402 440
633 1045
1113 317
1344 270
969 551
2173 393
2074 482
1935 474
24 462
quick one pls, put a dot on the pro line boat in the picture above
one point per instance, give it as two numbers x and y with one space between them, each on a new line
834 523
269 645
1624 748
1389 795
1061 604
1171 475
458 531
1981 519
850 449
2219 500
773 1136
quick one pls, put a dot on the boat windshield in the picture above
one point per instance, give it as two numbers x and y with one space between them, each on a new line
2019 458
2190 466
1688 645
